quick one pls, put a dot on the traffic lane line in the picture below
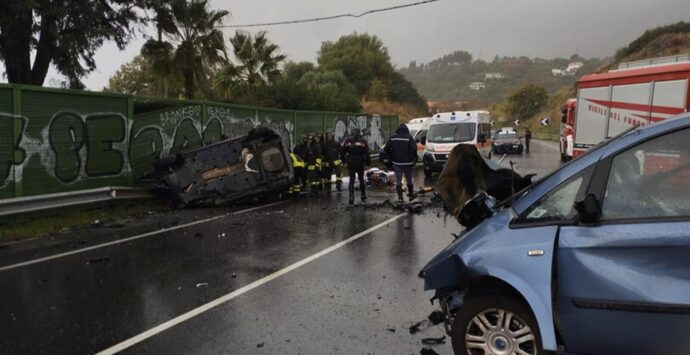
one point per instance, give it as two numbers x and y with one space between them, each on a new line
228 297
129 239
340 304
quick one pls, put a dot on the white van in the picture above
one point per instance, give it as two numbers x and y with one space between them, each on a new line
417 124
449 129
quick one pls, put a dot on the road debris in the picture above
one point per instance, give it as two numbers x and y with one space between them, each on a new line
436 317
434 341
260 345
97 260
201 284
428 351
392 330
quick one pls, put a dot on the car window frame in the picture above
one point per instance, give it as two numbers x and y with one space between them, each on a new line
521 221
599 189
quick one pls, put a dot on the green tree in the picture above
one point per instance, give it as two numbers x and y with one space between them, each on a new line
332 91
65 34
294 71
189 42
138 77
526 101
258 65
361 57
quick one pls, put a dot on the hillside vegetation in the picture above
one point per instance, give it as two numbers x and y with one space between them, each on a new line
658 42
448 78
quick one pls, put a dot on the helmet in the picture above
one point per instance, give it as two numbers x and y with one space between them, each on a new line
330 136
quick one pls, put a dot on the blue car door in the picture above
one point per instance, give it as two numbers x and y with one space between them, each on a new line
623 280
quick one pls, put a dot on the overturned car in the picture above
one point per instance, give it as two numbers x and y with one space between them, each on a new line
592 259
255 165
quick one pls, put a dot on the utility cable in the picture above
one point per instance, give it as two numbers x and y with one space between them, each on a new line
325 18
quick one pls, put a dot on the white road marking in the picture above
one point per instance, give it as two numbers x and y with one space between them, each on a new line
129 239
218 301
501 158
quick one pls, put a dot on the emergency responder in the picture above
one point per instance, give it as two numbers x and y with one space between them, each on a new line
356 155
314 157
298 167
332 162
528 138
320 163
402 150
302 151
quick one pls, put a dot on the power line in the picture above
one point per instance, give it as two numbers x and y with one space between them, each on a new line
315 19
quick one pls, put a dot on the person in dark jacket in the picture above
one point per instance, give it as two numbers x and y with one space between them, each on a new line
332 162
356 155
402 150
528 138
313 161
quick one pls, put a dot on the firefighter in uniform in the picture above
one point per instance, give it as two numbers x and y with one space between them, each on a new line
298 166
313 162
332 162
302 150
356 155
320 167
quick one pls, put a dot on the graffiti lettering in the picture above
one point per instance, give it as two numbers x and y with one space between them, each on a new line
102 132
173 118
66 137
11 152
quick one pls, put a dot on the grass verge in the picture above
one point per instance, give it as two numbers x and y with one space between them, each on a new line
45 223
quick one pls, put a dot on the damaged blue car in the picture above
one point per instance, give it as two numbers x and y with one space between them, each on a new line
592 259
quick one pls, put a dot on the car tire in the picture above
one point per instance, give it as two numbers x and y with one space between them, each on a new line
494 336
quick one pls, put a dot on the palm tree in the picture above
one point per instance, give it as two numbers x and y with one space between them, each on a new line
189 42
258 64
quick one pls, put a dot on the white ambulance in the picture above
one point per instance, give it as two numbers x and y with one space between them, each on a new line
449 129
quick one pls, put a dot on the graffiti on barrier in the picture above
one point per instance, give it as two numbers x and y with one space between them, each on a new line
77 146
370 125
71 147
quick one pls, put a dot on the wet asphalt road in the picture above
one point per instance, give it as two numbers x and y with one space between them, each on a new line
357 299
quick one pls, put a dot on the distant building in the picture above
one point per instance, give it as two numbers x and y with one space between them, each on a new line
493 76
558 72
573 67
477 85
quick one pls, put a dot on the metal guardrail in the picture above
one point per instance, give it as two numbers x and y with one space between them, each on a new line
18 205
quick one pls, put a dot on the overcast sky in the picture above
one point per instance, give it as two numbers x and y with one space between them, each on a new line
534 28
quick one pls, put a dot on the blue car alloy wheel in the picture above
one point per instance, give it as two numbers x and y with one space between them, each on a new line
496 325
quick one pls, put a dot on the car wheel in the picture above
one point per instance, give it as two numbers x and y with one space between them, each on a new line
495 325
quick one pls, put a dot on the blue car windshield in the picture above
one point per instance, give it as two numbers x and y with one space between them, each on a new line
452 132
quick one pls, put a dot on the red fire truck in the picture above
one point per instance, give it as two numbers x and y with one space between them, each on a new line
637 93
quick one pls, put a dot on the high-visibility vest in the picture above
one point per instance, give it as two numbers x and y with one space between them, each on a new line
297 162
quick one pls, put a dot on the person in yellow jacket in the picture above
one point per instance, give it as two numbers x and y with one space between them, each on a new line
298 167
